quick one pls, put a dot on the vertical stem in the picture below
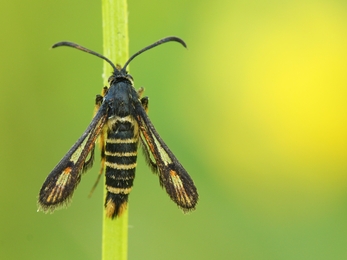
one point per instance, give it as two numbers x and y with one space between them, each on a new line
115 44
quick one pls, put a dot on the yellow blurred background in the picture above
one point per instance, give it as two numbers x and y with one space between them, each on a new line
255 109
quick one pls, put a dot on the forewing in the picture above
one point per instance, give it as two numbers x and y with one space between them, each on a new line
62 181
173 177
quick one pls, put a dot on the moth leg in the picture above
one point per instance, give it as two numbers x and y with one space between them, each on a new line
140 92
98 102
99 99
144 102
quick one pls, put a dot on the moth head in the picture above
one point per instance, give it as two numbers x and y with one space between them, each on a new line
120 76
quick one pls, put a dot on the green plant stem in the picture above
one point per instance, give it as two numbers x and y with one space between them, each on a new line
115 44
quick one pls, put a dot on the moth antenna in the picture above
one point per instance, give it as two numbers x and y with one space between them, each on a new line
79 47
164 40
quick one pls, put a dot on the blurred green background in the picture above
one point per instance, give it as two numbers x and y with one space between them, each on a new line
255 109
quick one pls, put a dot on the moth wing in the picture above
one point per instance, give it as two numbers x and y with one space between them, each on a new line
60 184
172 176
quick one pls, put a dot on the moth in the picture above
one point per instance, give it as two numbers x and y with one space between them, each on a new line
121 125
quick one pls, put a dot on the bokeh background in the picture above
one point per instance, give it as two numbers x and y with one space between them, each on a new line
255 109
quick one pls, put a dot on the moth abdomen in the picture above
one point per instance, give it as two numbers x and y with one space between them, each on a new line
121 155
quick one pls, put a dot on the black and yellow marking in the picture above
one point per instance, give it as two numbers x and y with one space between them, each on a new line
121 155
120 124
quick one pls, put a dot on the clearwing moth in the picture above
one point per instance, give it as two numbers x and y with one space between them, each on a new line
121 124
